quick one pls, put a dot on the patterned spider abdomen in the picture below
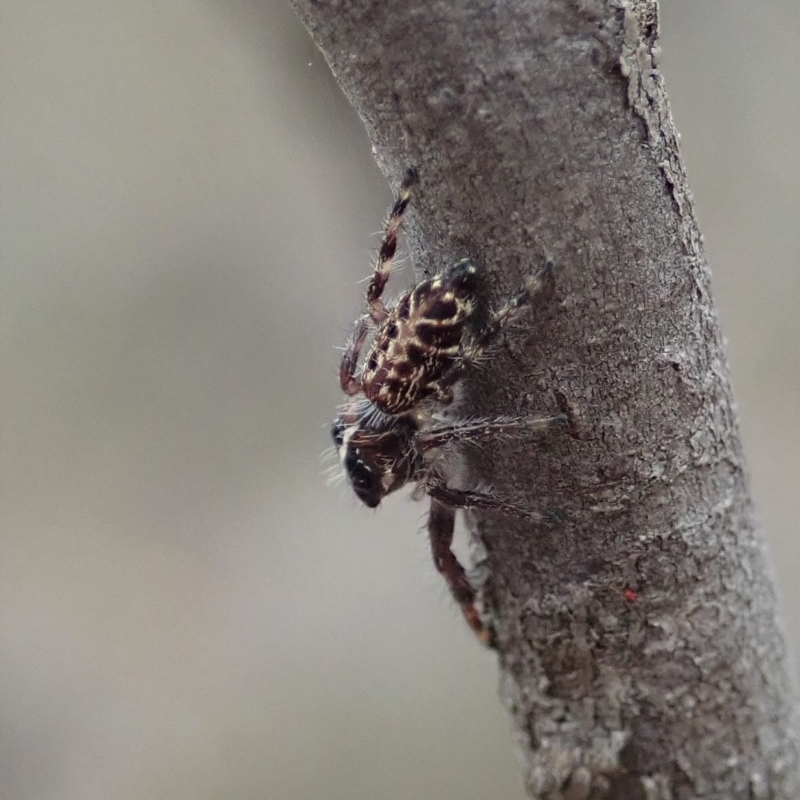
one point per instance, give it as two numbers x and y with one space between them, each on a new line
419 344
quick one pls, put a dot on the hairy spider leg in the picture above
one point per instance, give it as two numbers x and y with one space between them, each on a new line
441 525
472 429
383 264
349 379
437 489
519 303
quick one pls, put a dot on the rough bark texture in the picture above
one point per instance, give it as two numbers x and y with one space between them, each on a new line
639 647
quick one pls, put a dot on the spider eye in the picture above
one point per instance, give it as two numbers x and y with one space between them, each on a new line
366 483
337 432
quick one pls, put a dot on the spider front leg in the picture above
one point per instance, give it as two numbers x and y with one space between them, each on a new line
441 525
469 430
383 265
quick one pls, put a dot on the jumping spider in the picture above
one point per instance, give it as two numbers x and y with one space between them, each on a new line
390 427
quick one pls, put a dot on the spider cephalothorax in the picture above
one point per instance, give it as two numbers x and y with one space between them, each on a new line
391 429
376 450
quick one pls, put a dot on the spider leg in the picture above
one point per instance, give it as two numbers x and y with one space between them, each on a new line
383 265
469 499
471 429
519 303
349 380
441 524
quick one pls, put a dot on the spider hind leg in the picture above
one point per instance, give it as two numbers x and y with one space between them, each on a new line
383 264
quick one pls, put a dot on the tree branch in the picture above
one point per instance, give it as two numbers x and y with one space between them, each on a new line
638 642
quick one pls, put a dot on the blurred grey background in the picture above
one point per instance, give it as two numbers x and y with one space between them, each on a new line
188 610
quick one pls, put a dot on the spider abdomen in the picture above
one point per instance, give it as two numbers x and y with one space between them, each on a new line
420 340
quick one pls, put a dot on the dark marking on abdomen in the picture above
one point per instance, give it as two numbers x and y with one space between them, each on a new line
441 309
437 335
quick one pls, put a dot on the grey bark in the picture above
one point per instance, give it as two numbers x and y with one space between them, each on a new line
638 642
